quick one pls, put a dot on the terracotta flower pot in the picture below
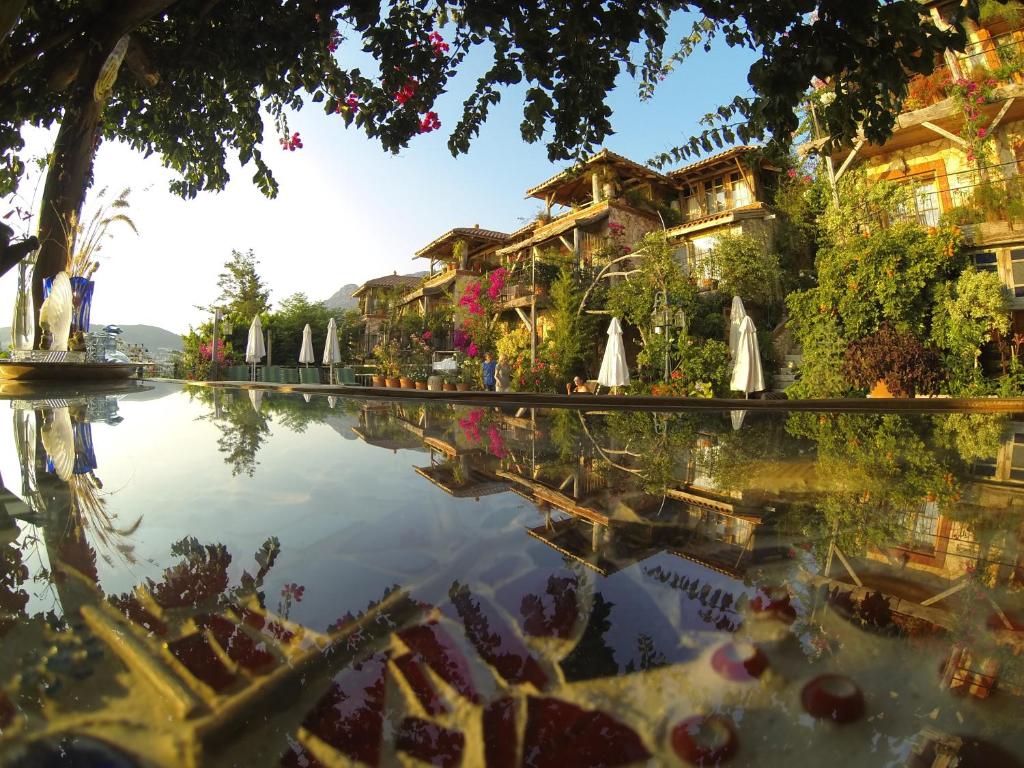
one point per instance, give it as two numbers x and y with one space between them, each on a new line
880 389
462 386
379 381
449 386
407 383
833 697
394 382
421 385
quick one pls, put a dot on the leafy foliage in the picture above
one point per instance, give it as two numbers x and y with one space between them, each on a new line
571 341
875 267
748 268
968 312
905 364
287 322
243 294
236 63
704 362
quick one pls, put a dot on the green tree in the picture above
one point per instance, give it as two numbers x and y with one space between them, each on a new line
658 278
242 294
875 266
748 268
288 321
135 72
571 341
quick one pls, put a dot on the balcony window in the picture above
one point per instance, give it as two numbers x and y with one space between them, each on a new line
704 267
986 262
923 207
1017 271
923 527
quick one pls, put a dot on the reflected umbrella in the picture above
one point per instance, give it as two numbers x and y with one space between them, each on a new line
737 419
256 397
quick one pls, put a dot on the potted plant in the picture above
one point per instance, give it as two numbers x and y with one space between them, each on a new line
387 361
449 383
893 364
468 369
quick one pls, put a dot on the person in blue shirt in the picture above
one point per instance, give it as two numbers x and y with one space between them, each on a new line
489 365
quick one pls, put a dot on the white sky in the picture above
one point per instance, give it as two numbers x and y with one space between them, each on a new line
347 211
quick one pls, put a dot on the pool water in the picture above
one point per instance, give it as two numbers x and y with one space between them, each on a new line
228 577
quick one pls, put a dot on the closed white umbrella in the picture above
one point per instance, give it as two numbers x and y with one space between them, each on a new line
254 348
306 354
737 420
747 376
736 315
614 371
332 352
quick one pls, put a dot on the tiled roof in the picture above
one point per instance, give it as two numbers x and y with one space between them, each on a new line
470 233
725 155
604 154
389 281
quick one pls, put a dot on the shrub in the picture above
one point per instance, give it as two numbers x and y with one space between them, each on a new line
900 359
748 269
704 362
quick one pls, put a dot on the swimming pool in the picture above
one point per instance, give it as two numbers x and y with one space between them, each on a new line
230 577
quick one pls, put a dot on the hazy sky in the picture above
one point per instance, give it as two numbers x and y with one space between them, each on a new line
348 211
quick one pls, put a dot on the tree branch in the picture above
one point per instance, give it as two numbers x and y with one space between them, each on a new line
117 20
139 63
10 12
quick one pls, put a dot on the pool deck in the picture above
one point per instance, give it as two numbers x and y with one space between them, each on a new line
639 402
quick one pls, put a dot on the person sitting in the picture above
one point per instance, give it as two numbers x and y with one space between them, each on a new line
577 386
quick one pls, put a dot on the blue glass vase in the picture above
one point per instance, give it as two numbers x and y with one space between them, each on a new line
81 293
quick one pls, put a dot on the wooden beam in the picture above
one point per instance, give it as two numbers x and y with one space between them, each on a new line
944 594
524 318
999 117
846 564
849 158
568 246
944 133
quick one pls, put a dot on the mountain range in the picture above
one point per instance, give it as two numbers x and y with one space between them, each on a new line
149 336
342 299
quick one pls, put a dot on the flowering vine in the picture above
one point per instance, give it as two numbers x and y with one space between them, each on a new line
972 96
291 143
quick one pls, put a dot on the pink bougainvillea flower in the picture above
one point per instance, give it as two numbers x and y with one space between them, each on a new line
471 350
427 336
982 133
407 91
438 44
430 122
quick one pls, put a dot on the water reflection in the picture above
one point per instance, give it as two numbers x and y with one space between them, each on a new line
579 588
